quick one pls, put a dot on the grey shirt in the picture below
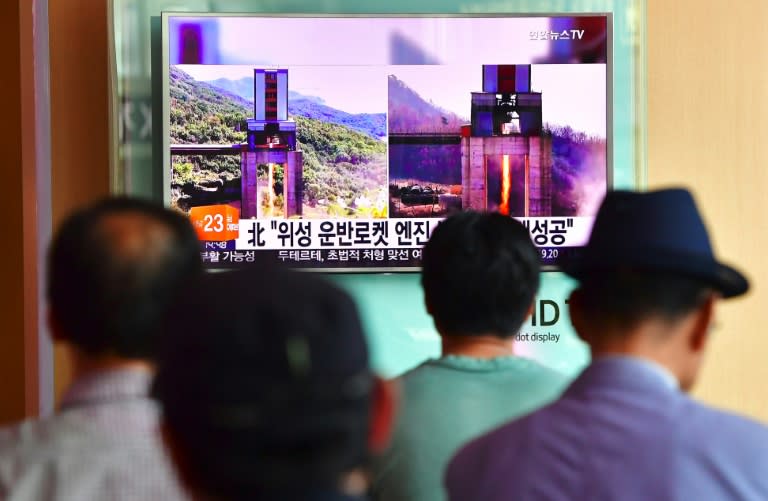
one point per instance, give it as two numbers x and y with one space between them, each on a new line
103 444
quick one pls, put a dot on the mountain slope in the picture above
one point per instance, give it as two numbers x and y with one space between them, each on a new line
191 101
372 124
411 113
243 87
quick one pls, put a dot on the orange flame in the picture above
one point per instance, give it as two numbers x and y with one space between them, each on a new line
271 186
506 182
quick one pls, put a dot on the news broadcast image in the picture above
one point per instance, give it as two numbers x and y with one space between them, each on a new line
324 153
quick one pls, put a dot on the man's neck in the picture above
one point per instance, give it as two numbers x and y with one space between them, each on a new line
478 346
354 483
653 346
84 364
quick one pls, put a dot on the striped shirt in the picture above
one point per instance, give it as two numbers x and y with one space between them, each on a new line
103 444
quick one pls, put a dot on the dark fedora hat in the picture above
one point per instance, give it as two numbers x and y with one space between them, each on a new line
654 231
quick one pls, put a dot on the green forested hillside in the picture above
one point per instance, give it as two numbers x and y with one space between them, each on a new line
339 163
202 114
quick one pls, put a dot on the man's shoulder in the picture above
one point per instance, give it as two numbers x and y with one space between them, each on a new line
27 434
513 367
25 444
34 453
694 419
723 428
507 437
487 458
732 446
36 440
69 434
537 371
512 386
425 375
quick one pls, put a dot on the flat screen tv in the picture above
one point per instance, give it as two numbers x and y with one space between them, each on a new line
338 143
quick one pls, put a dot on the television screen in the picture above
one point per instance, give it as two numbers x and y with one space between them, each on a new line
339 143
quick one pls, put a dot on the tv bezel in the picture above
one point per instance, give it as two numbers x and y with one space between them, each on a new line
166 111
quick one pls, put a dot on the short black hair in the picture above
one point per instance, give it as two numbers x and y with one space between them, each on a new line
480 274
112 268
624 298
264 383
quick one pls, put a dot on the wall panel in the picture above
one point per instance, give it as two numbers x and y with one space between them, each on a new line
708 130
79 115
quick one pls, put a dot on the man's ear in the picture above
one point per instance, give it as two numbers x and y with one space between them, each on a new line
383 414
576 313
427 305
703 321
57 333
431 312
531 309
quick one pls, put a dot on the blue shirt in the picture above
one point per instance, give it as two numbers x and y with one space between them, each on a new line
624 431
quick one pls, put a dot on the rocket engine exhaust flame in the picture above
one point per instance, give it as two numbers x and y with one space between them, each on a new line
506 183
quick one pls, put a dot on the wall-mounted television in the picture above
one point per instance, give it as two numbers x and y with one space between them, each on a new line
338 143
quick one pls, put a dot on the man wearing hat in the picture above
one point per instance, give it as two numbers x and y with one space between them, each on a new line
266 389
625 428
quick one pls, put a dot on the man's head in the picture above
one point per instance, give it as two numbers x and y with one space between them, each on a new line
265 386
663 316
648 281
480 275
112 268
